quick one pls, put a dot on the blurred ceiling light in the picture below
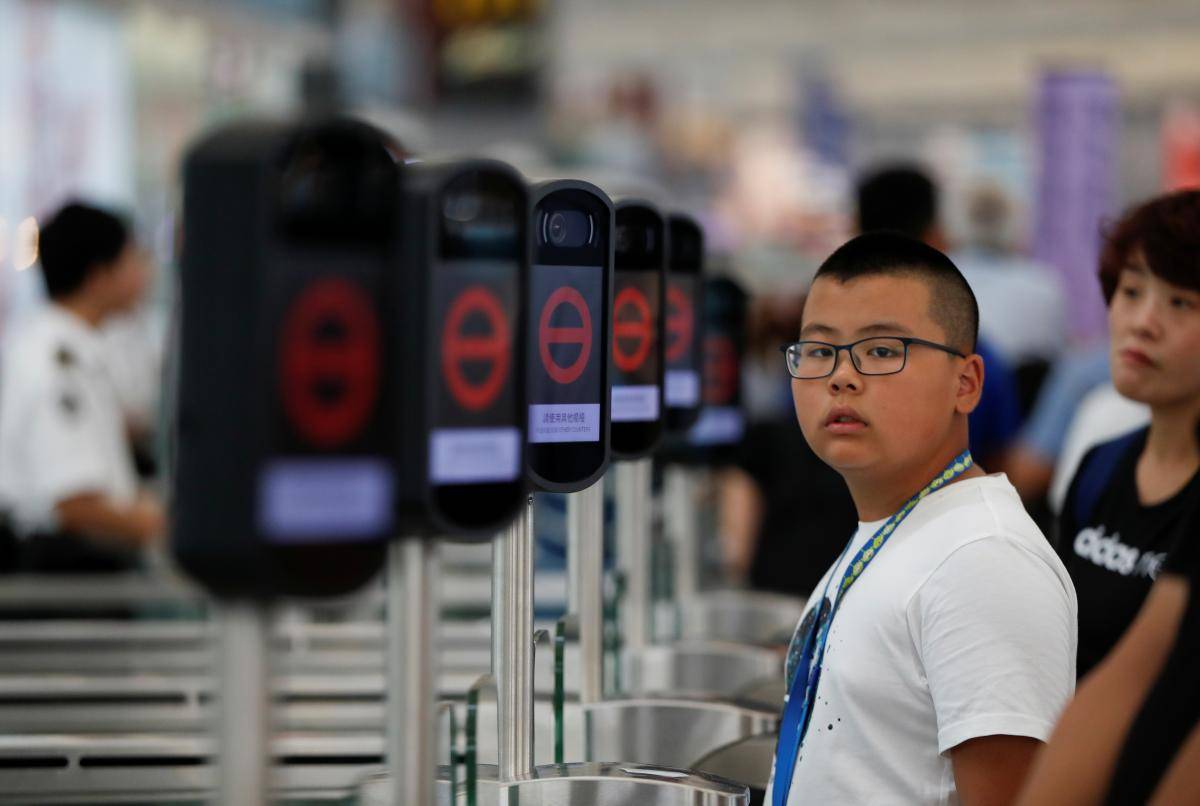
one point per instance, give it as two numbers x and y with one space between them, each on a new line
25 244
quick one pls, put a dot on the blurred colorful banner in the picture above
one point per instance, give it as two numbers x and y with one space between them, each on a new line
1077 117
1181 146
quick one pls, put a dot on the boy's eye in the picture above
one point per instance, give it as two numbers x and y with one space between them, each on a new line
818 352
883 352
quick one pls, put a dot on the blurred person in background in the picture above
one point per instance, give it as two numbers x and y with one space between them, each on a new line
1125 504
67 479
786 514
903 198
1041 443
1132 733
1022 310
134 345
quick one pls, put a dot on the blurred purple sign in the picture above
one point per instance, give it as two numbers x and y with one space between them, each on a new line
824 122
1077 118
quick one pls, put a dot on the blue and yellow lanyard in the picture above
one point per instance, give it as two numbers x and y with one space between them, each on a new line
797 711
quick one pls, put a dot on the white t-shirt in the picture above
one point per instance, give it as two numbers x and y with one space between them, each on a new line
963 626
62 431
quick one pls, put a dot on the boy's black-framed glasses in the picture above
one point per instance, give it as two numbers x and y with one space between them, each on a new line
877 355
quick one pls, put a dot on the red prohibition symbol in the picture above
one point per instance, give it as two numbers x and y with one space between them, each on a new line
636 331
581 335
720 370
459 348
330 362
680 322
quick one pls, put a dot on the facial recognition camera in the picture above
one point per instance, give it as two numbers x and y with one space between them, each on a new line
722 422
684 322
569 348
639 280
461 372
284 472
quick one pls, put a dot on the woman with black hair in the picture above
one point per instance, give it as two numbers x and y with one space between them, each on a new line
1131 539
1129 495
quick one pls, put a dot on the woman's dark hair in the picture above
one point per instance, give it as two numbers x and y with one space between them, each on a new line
1165 231
76 241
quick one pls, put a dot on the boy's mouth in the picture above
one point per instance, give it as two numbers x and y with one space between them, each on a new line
844 420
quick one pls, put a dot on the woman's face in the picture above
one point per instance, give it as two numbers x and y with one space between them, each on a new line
1155 327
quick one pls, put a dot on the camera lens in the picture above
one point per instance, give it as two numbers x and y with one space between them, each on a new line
557 229
567 229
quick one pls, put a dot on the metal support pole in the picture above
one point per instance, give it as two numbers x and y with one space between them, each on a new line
633 549
585 561
245 703
683 528
413 568
512 644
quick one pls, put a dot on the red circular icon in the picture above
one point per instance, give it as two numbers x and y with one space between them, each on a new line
581 335
681 322
636 331
330 362
720 370
460 348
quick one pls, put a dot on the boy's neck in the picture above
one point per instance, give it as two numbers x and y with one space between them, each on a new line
880 495
91 313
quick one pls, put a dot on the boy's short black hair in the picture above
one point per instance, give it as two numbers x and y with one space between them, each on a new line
893 254
897 197
76 241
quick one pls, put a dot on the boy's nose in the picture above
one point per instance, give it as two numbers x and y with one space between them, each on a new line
845 376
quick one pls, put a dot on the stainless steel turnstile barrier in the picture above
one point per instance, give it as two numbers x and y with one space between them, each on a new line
741 616
699 668
747 760
675 732
580 784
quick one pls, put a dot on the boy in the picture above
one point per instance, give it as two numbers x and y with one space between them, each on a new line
67 478
937 652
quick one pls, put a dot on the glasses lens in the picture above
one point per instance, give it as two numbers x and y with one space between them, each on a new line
881 356
810 359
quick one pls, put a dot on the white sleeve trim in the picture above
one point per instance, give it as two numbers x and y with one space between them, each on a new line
1033 727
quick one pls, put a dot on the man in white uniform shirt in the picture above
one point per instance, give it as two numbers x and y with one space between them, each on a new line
67 481
936 654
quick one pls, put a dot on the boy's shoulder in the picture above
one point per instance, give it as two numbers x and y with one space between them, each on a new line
987 508
985 504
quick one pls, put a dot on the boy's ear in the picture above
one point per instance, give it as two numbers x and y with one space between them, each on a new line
970 384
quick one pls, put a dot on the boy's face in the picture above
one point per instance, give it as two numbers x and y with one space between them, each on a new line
126 279
858 422
1155 327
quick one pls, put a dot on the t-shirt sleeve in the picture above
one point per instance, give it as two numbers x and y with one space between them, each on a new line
64 457
995 628
1184 557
